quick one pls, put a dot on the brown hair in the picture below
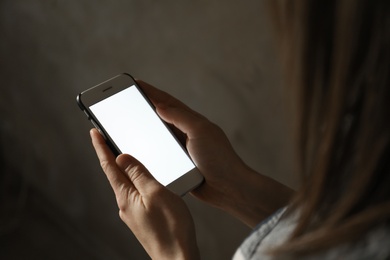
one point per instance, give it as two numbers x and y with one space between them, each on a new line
337 57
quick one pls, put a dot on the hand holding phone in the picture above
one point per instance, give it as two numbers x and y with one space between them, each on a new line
128 121
158 218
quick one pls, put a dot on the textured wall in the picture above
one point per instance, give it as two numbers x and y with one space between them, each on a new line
216 56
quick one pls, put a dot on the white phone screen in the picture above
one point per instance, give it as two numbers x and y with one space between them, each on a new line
136 130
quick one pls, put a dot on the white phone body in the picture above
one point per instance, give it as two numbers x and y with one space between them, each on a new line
129 123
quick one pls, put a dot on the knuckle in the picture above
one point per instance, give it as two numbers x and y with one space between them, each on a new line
105 165
122 215
121 201
209 127
202 125
160 194
135 172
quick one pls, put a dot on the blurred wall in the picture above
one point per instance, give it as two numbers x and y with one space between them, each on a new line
216 56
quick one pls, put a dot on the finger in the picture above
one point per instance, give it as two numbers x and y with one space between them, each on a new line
160 98
185 120
107 162
137 173
153 93
163 101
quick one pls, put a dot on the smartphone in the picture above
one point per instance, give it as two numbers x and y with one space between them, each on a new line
129 123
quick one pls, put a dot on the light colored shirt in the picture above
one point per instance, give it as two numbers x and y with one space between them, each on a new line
275 230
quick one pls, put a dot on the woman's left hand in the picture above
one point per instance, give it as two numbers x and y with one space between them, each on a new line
158 218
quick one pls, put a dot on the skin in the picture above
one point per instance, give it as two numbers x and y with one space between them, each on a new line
159 218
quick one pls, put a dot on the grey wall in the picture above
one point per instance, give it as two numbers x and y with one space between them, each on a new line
216 56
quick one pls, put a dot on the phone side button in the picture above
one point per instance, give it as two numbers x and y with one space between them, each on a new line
98 128
85 112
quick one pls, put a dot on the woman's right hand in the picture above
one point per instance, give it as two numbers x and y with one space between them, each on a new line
206 143
229 183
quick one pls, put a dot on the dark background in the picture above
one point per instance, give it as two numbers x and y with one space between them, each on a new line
216 56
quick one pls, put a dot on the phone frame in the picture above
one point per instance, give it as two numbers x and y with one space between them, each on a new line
87 98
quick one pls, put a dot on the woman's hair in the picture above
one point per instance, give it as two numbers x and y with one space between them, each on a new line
337 59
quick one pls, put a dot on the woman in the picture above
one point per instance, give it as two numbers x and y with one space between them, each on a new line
337 56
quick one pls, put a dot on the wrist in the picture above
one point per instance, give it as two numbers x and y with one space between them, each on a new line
177 253
255 196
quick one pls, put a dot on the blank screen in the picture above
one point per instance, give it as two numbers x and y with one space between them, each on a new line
137 130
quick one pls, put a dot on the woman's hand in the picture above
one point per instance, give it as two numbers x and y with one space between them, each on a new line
229 183
158 218
206 143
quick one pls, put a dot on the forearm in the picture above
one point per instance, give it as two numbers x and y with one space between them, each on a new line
255 197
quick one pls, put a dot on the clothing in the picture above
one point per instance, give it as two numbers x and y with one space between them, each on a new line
276 229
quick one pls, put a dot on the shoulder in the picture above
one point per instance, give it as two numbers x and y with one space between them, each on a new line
276 229
374 245
251 245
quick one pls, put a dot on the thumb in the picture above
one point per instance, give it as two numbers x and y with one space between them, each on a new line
137 173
